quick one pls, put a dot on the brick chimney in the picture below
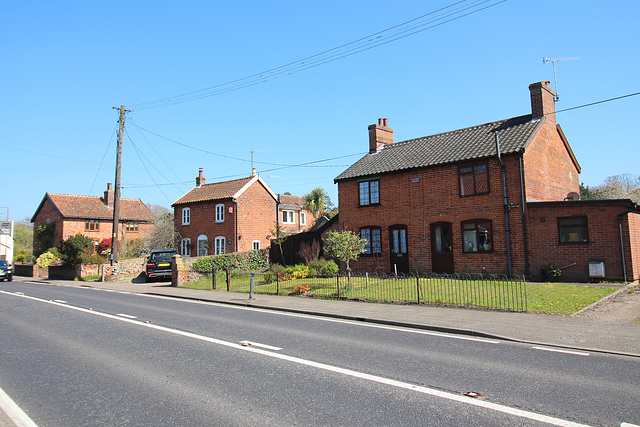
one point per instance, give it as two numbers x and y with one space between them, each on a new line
379 135
109 195
543 102
200 180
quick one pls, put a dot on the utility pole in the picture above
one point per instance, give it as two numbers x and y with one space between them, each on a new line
116 197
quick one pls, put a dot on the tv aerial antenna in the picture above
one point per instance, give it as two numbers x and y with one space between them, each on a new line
555 80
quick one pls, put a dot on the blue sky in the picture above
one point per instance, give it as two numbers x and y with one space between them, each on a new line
66 64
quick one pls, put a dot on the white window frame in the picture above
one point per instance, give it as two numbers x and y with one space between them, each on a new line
201 249
185 247
220 245
186 216
288 217
220 212
256 245
303 218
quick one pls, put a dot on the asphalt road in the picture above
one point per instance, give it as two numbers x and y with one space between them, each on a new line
79 356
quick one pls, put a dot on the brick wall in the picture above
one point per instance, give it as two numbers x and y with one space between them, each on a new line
603 244
257 217
550 173
420 198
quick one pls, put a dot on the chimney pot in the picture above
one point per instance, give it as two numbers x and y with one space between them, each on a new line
380 135
200 180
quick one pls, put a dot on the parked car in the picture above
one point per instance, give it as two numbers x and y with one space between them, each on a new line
159 264
6 271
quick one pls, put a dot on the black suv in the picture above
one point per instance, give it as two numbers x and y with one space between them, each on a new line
159 264
6 271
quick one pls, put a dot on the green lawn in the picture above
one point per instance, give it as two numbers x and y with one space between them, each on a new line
555 298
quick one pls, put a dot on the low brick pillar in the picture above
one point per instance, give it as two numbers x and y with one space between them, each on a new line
179 271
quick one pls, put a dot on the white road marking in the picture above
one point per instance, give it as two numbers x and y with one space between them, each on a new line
348 372
347 322
257 344
560 350
59 300
14 412
628 425
128 316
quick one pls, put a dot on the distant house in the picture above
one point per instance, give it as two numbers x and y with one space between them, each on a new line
498 198
92 216
235 216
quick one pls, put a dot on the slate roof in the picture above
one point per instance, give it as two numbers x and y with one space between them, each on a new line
459 145
93 207
220 190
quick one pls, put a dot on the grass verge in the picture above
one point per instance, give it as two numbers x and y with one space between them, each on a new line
551 298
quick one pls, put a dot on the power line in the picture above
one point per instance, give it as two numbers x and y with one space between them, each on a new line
282 165
397 32
599 102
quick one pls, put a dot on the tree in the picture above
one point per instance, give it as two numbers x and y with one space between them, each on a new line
625 186
317 201
344 245
22 236
164 235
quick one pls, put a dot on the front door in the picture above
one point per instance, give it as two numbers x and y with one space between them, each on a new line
441 247
398 243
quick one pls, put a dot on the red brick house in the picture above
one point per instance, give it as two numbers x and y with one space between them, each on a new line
92 216
497 198
235 216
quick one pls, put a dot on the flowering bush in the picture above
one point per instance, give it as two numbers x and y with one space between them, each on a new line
301 289
46 259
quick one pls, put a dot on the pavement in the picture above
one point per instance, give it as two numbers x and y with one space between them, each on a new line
583 331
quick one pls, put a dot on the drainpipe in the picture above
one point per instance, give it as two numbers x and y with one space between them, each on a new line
624 266
506 205
235 219
525 240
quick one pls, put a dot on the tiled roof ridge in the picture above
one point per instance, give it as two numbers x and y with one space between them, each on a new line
225 182
455 131
90 197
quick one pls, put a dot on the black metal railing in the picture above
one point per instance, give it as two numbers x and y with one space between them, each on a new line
489 292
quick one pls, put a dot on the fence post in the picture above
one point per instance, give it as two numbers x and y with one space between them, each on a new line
418 285
252 284
228 280
338 284
278 283
213 275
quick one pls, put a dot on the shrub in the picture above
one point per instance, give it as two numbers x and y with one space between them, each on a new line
258 260
270 275
550 273
73 247
309 251
90 259
301 288
298 271
330 269
46 259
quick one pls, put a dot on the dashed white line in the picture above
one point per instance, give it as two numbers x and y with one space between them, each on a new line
257 344
560 350
348 372
128 316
